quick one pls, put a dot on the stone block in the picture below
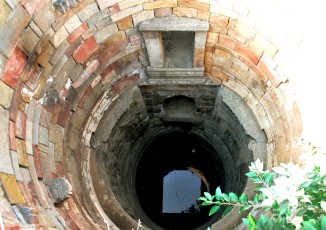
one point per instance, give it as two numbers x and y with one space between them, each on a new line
245 52
51 156
18 19
59 189
203 14
20 128
106 32
106 3
8 39
3 61
97 17
142 16
89 70
261 43
29 137
77 33
5 162
37 162
35 28
64 114
125 23
5 11
114 39
43 136
85 50
159 4
59 52
227 42
185 12
45 164
127 12
11 189
267 67
72 24
59 37
244 30
44 18
15 164
113 50
14 67
6 95
163 12
88 11
22 154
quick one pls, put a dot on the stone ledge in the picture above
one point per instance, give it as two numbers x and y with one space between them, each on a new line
174 24
175 72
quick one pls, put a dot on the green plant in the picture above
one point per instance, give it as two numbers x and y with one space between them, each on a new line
288 196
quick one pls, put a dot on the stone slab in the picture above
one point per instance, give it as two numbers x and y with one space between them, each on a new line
5 162
11 189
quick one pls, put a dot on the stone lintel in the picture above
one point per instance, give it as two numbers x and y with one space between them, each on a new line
175 72
174 24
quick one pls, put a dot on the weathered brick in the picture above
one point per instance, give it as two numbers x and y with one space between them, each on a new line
3 61
244 30
194 4
64 114
125 23
217 73
35 28
136 39
12 136
163 12
11 188
28 41
18 19
59 37
85 50
127 12
106 32
44 18
159 4
22 153
185 12
97 17
219 20
114 9
262 44
142 16
91 67
245 52
77 32
4 12
5 162
37 162
12 226
72 24
106 3
51 156
203 15
15 164
6 95
236 36
267 67
88 11
14 67
16 101
113 50
43 136
8 39
20 128
226 41
29 137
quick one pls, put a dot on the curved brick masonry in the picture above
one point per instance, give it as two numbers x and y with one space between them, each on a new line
79 94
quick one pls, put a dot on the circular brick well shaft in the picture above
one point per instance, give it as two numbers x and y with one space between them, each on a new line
77 103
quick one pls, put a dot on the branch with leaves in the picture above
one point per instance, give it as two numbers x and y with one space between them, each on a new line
285 192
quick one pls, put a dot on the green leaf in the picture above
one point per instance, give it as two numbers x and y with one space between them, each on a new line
256 198
202 198
309 226
218 194
206 203
269 178
227 210
251 174
323 223
301 212
208 196
263 218
225 197
251 220
233 197
213 210
246 221
243 198
283 211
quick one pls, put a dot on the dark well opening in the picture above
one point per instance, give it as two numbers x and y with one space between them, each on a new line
169 164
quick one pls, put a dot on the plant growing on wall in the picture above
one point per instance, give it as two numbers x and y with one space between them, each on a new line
287 197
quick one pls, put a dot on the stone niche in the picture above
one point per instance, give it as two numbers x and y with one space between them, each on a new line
175 46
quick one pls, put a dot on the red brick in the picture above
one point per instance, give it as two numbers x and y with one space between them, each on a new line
227 42
64 114
136 39
26 193
269 72
163 12
20 127
60 169
91 67
77 33
85 50
114 9
55 110
14 67
12 136
11 227
123 83
254 68
33 193
37 162
113 50
245 52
